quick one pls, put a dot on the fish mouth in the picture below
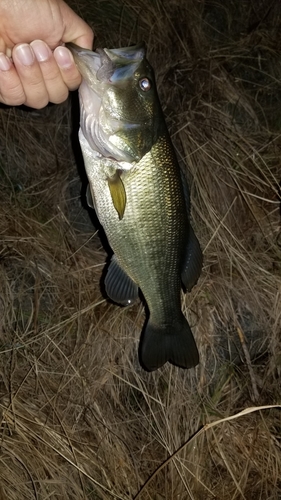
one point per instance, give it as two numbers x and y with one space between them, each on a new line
108 65
99 70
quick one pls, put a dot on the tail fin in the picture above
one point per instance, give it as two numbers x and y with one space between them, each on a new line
173 343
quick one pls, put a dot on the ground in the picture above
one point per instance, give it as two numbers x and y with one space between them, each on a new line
80 418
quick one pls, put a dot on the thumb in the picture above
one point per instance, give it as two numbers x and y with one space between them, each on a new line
76 30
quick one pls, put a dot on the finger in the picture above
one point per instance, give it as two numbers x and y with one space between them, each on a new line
2 45
11 89
30 76
56 88
68 69
76 30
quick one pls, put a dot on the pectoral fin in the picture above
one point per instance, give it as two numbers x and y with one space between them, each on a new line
118 193
90 197
119 286
193 261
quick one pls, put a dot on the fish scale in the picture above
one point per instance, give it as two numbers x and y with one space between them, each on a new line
153 220
140 198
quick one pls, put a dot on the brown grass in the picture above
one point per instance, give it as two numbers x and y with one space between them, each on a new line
79 418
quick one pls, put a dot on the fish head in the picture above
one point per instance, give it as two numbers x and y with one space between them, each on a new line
120 113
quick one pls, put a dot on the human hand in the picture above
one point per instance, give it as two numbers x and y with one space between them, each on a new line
29 31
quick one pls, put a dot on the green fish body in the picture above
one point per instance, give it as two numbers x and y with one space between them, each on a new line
140 196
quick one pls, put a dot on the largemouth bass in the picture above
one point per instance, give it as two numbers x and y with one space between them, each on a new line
140 196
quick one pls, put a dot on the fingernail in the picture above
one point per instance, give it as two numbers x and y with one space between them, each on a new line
63 57
5 63
25 54
41 50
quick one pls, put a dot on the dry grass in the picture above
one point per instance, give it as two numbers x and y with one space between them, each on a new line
80 418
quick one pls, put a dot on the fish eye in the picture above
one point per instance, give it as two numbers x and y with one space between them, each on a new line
145 84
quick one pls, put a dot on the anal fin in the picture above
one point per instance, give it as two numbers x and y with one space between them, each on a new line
193 261
119 286
192 265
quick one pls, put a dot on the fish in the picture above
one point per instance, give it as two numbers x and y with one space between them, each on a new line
140 196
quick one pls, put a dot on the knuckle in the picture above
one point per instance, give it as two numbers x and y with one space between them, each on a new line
13 96
73 84
38 103
59 98
72 80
